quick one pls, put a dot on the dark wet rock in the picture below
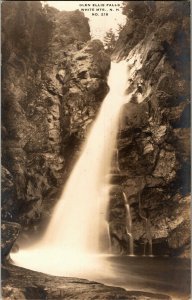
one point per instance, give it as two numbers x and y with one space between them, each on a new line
180 139
4 273
8 196
134 115
152 181
9 234
165 167
36 285
179 240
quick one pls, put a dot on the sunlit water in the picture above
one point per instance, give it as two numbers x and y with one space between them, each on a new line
70 246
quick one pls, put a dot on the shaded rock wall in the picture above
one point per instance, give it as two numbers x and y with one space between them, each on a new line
154 138
9 233
53 81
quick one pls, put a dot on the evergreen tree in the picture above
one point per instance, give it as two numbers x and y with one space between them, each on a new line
109 41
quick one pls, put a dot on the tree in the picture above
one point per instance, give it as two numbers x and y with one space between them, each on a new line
110 41
120 27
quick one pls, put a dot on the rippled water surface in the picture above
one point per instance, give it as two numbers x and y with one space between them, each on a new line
163 275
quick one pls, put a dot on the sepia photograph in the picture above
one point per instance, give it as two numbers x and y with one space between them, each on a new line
95 150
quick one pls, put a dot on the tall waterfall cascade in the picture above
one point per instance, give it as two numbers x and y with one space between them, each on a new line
70 246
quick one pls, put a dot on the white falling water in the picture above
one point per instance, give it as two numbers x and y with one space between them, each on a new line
72 237
129 225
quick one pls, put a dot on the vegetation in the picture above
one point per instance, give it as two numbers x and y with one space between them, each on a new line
109 41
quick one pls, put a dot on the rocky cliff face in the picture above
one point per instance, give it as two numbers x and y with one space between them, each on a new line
154 138
53 81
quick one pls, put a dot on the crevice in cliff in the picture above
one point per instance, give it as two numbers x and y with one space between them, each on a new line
148 242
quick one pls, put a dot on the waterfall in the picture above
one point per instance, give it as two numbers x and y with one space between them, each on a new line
115 163
79 219
129 225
